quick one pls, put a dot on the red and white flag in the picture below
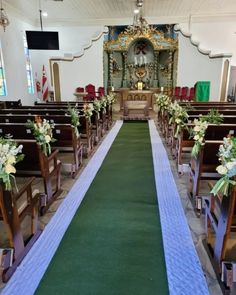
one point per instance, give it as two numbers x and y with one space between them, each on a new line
38 86
44 85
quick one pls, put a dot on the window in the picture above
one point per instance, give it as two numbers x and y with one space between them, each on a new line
3 88
28 68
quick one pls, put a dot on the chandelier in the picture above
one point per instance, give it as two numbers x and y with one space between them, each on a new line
4 21
140 25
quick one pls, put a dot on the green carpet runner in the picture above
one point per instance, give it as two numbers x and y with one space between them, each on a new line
113 245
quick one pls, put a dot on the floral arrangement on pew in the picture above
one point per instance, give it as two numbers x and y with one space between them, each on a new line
103 102
97 107
73 113
10 154
88 111
163 102
213 117
198 134
227 158
178 115
42 131
111 98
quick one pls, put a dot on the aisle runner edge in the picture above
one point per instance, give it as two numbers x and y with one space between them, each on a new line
28 275
184 272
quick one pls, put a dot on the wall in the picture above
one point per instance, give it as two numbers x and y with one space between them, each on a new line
72 41
218 37
194 66
81 71
15 61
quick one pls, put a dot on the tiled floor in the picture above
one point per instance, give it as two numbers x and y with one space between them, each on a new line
196 224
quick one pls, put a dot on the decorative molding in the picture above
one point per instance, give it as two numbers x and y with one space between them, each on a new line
197 44
156 37
82 52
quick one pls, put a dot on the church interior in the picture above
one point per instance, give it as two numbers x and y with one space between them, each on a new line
117 147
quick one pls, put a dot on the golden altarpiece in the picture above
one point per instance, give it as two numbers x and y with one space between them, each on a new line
140 61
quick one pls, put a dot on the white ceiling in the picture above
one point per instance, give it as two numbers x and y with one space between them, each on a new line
109 12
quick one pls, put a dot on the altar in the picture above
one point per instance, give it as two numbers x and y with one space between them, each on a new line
136 95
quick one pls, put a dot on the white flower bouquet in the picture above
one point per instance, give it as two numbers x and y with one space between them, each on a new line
178 115
42 131
198 136
10 154
73 113
163 102
97 106
88 111
227 158
111 98
103 102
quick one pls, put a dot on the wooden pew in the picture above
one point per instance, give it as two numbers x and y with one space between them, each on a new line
13 216
203 168
184 143
220 222
35 163
66 142
85 128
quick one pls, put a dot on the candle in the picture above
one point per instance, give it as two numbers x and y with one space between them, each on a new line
140 85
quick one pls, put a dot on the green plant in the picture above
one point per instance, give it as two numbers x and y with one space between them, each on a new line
213 117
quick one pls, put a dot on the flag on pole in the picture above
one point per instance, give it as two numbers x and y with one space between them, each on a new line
44 85
38 86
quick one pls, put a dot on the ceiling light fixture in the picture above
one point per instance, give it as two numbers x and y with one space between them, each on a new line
140 25
4 21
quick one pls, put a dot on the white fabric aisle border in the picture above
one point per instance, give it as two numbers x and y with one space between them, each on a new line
184 272
28 275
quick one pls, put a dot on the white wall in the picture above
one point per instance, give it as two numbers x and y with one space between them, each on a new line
86 68
15 61
219 37
194 66
82 71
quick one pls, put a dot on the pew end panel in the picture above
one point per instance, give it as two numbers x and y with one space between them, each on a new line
37 164
203 167
13 216
70 148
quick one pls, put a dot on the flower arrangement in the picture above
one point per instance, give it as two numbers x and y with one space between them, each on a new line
103 102
111 98
227 158
88 111
73 113
42 131
9 155
97 106
178 115
163 102
213 117
198 134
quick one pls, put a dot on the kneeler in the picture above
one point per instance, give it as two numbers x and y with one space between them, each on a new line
12 217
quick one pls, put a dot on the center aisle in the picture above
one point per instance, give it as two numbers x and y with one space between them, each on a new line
114 244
